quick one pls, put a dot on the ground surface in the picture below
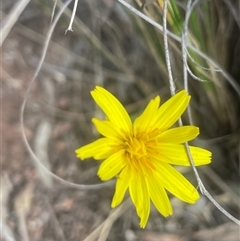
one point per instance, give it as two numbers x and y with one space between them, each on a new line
57 120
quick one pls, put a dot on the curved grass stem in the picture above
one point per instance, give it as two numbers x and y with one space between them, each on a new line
44 52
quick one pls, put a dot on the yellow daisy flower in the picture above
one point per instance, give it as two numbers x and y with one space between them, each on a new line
141 154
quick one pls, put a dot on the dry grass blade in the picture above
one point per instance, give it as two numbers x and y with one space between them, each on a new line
105 227
41 142
12 18
213 63
96 42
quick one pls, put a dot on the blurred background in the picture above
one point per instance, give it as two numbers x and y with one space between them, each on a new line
112 47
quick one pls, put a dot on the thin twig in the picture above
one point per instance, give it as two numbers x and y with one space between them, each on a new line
184 49
53 11
165 40
200 66
72 17
184 56
171 82
119 63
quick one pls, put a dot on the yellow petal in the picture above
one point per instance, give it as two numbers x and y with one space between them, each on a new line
121 186
99 149
112 166
107 129
146 120
179 134
139 194
176 183
158 195
176 154
113 109
171 110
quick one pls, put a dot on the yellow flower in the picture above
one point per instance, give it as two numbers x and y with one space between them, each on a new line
141 154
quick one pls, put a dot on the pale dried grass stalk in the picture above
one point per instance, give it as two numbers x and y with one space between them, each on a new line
12 18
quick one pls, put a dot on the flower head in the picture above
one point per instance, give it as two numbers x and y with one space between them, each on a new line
141 154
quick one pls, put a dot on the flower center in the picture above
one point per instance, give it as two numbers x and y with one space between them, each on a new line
135 147
139 147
